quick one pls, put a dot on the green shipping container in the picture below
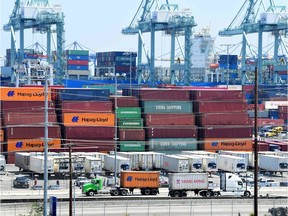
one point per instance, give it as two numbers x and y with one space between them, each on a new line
131 146
167 106
177 144
128 112
77 52
110 87
130 123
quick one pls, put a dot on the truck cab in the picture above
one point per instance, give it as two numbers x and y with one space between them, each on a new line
93 187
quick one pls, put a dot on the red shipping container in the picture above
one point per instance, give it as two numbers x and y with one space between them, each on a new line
91 132
262 146
283 109
77 62
162 94
85 106
131 134
53 89
268 121
217 95
25 118
219 106
26 106
232 118
278 99
169 119
283 116
171 132
125 101
225 131
10 158
259 107
31 132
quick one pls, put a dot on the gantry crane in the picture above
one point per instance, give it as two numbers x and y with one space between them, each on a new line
39 15
166 18
273 19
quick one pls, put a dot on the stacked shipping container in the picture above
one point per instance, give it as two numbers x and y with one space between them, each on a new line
78 63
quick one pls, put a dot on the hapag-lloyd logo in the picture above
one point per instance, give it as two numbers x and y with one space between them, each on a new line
19 145
10 93
75 118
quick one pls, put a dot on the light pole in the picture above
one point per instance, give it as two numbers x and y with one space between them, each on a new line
116 134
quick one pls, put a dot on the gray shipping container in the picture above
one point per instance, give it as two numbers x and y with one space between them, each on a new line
167 106
172 144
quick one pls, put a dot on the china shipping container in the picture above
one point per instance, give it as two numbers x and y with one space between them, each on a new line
26 106
88 132
172 144
85 106
226 118
169 119
88 119
139 179
31 132
217 144
225 131
163 131
219 106
125 101
167 106
131 134
81 94
28 118
219 95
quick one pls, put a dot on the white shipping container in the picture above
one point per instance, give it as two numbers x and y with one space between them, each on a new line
61 164
195 163
93 165
175 163
123 163
37 164
157 160
188 181
145 160
273 163
199 152
274 104
247 155
22 160
232 163
133 156
209 163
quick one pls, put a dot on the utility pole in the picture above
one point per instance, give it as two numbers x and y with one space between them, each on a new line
70 180
116 135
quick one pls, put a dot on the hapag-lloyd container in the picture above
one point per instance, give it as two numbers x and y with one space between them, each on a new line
128 112
26 106
167 106
226 118
1 135
89 132
216 144
125 101
86 106
88 119
28 118
31 132
140 179
131 134
163 131
172 144
225 131
31 144
170 119
23 94
161 94
219 95
219 106
82 94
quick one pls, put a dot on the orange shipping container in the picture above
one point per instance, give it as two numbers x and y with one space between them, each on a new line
31 145
139 179
88 119
1 135
216 144
23 94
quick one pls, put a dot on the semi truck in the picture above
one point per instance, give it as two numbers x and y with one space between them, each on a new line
146 181
230 163
272 164
230 185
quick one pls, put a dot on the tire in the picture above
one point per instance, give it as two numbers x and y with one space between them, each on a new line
208 194
154 192
184 194
215 194
147 191
247 194
280 212
124 193
176 194
116 193
91 193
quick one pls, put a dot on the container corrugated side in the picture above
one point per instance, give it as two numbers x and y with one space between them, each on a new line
223 95
88 119
82 94
225 131
169 119
140 179
163 131
162 94
226 118
219 106
130 123
89 132
85 106
125 101
172 144
234 144
132 146
131 134
167 106
27 118
188 181
26 106
128 112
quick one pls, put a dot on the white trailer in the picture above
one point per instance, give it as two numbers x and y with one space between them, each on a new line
247 155
272 163
61 164
145 160
175 163
195 163
157 160
78 162
209 163
122 163
93 165
2 163
232 163
37 164
200 152
134 159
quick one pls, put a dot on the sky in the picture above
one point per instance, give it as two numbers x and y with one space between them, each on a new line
97 25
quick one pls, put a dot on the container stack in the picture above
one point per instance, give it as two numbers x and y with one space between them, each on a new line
122 62
23 118
87 119
78 64
283 113
222 119
169 121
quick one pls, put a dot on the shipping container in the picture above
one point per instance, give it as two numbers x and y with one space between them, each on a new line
78 52
78 57
1 135
169 119
83 94
131 146
260 113
85 106
219 106
125 101
123 163
31 132
163 131
145 160
23 94
131 134
248 155
167 106
89 132
28 118
112 88
31 144
175 163
219 95
78 67
195 163
161 94
22 159
232 163
37 164
268 121
225 131
133 157
128 112
272 163
130 123
93 165
172 144
275 104
139 179
226 118
188 181
26 106
78 62
217 144
88 119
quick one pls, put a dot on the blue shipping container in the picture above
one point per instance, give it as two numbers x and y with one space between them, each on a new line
84 94
78 57
77 67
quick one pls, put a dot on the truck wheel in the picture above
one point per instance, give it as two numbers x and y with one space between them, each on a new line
154 192
215 194
208 194
91 193
280 212
247 194
147 191
184 194
124 193
116 193
176 194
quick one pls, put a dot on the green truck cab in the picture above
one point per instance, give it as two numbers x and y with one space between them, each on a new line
92 187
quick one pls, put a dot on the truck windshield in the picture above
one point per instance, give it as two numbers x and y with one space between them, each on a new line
283 165
212 165
241 165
